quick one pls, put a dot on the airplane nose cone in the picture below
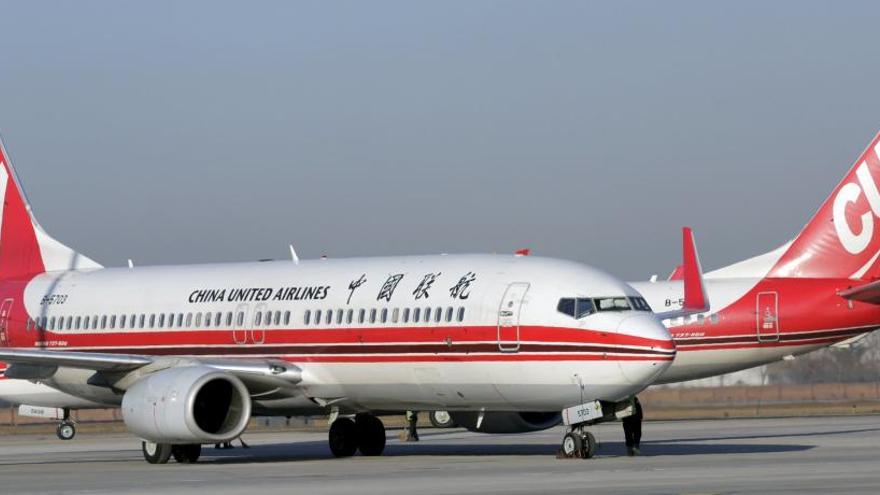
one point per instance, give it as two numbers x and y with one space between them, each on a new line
650 349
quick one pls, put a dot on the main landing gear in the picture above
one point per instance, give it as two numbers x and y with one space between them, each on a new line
365 433
66 429
161 453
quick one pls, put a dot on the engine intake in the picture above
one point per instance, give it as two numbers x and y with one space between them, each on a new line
193 404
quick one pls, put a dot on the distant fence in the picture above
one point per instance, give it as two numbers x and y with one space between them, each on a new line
738 395
659 402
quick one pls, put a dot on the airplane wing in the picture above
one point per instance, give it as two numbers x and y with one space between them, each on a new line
258 375
866 293
695 298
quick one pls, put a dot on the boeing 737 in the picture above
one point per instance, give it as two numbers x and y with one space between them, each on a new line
190 353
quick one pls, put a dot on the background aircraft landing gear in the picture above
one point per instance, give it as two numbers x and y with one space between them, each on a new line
579 443
66 429
366 433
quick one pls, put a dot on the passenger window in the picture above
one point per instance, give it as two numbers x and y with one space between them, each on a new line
152 323
69 322
405 317
449 311
373 315
417 312
307 315
361 315
94 322
438 313
287 317
179 320
713 319
317 317
585 307
86 323
76 322
198 320
240 318
258 318
207 319
395 315
112 321
329 317
349 316
103 322
426 315
161 320
339 313
384 316
461 314
701 319
141 321
566 306
229 318
189 318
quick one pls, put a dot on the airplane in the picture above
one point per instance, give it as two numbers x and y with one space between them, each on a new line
820 289
190 353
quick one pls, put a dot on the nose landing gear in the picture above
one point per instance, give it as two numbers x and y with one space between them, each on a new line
579 444
66 429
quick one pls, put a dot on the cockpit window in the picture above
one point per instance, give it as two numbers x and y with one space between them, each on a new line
566 306
639 304
612 304
585 307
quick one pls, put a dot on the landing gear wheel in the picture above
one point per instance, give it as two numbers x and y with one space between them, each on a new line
343 438
590 446
156 453
66 430
370 434
186 454
572 445
441 419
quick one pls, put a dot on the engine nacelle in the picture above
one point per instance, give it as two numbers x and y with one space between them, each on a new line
507 422
192 404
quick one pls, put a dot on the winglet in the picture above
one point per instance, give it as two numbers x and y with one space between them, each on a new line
695 298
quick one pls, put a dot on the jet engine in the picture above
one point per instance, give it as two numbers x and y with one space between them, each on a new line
192 404
506 422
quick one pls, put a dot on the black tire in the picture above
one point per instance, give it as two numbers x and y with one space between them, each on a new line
371 434
572 445
156 453
186 454
441 419
343 438
590 446
65 430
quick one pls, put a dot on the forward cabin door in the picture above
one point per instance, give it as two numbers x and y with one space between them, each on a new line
768 316
508 316
5 309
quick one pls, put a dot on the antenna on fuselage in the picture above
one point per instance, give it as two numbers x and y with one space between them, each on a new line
130 263
293 255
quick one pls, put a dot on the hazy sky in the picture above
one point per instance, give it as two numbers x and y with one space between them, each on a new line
178 132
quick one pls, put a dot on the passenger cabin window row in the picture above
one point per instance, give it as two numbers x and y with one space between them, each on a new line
230 319
384 315
580 307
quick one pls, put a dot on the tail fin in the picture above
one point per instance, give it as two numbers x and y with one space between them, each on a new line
25 248
842 240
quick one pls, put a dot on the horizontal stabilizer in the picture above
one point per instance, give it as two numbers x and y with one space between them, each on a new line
866 293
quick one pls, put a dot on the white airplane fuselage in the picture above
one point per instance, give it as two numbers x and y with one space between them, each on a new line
493 338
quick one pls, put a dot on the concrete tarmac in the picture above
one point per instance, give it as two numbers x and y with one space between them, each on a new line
790 455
